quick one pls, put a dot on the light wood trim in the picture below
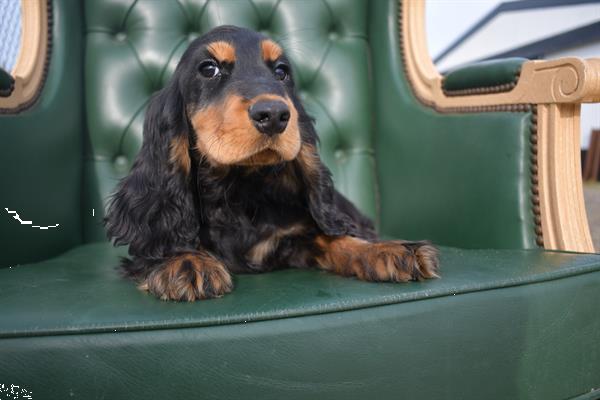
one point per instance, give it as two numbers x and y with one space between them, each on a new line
556 87
562 208
565 80
30 67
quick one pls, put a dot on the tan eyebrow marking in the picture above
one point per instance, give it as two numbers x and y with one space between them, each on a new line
222 51
270 50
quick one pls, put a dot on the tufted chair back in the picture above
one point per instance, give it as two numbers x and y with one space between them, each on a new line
133 46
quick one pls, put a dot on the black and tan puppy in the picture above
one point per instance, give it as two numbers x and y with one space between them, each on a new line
229 180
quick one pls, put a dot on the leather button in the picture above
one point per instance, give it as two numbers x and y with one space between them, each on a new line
120 162
339 154
192 31
262 27
334 33
120 36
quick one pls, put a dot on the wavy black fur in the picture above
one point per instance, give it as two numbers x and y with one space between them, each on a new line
160 212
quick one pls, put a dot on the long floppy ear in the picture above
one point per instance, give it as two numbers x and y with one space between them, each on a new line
153 209
332 212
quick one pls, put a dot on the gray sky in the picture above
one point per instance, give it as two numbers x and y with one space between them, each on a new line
446 20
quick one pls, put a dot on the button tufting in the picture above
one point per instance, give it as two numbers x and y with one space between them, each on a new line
174 27
333 32
193 31
120 162
339 153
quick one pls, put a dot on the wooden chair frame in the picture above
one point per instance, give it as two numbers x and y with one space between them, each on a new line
30 69
554 91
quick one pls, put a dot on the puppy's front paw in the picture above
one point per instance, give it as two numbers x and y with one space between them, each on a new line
390 261
189 277
425 261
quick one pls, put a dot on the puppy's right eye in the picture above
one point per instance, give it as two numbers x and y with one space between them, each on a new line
209 69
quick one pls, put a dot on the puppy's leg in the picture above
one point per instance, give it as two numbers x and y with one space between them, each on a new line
184 277
393 261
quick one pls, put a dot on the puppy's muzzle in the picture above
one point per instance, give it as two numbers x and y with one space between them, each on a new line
269 116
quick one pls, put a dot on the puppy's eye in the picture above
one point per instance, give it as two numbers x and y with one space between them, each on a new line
281 72
209 69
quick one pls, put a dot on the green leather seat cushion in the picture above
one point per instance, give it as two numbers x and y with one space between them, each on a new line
292 333
82 291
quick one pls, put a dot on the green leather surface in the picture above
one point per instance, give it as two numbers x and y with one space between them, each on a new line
499 324
457 179
85 279
41 155
483 74
132 48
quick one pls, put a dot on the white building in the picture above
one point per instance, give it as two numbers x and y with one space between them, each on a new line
535 29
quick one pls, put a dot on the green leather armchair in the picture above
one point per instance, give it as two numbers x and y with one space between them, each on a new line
471 161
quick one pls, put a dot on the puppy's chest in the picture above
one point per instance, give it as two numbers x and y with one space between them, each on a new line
249 231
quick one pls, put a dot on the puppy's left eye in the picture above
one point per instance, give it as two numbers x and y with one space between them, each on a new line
281 72
209 69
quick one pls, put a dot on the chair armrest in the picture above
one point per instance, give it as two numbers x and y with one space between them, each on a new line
553 90
566 80
493 76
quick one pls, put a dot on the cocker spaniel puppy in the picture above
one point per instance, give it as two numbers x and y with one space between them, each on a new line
228 180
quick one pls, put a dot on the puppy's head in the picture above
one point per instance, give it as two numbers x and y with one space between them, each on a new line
238 98
231 102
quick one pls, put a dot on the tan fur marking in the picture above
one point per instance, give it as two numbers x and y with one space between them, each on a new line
265 247
271 51
222 51
382 261
188 277
227 136
179 154
309 160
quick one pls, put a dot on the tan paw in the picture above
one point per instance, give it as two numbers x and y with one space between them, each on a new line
189 277
389 261
399 261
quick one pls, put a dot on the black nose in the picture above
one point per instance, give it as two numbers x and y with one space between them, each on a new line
270 116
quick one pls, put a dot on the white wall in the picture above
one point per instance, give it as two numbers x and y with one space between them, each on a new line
447 20
514 29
